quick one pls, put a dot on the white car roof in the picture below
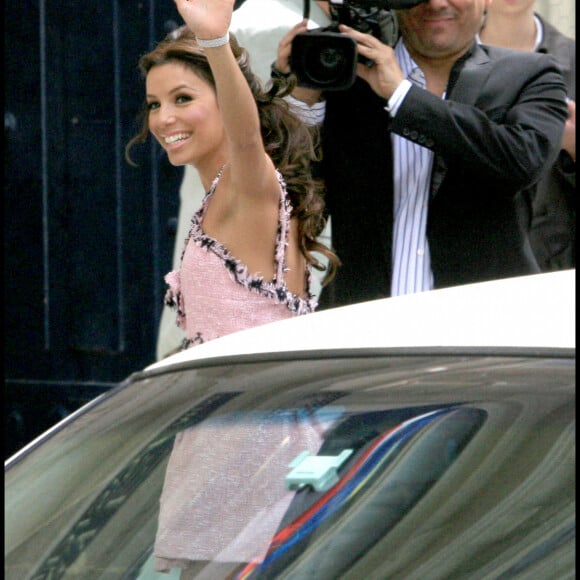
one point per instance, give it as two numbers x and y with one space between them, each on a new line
528 311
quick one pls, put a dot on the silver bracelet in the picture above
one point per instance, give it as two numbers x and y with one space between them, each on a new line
214 42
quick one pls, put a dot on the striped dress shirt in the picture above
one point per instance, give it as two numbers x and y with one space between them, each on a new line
412 164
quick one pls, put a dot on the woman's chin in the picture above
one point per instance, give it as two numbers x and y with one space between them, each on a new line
177 159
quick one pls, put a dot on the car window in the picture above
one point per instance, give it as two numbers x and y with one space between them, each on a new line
314 467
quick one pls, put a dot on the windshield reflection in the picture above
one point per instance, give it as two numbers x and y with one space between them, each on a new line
452 466
227 499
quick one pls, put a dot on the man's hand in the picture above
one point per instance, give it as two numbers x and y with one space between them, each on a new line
308 96
386 74
569 139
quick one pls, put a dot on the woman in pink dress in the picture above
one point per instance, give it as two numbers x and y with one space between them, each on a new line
251 246
246 262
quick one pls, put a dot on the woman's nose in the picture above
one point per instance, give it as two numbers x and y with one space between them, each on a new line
166 115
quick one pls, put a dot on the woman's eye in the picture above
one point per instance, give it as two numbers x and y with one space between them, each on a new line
183 99
152 106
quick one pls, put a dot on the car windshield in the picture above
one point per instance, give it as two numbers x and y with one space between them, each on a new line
251 470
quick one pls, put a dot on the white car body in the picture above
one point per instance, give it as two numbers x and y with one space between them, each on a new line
530 311
424 436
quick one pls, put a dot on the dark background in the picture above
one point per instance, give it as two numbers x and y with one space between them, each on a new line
87 237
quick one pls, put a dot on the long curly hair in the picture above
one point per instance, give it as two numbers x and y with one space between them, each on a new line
292 145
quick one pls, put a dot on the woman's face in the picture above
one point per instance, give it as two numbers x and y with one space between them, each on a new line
183 114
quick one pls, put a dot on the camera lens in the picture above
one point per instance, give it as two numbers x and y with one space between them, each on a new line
324 60
326 65
331 58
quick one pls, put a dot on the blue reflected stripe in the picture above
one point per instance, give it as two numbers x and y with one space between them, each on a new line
351 483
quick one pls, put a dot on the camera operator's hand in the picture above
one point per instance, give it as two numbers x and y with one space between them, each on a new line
385 75
282 64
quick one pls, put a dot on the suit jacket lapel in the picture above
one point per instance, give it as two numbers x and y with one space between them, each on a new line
468 76
465 82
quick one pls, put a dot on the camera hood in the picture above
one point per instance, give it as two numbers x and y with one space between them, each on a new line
324 59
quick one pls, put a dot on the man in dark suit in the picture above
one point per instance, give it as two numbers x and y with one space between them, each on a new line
553 230
431 158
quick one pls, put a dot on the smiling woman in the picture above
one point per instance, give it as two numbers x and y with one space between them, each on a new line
250 250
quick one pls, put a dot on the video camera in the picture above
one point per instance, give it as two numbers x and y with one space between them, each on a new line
325 59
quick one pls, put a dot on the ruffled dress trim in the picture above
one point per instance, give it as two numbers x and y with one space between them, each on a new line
275 289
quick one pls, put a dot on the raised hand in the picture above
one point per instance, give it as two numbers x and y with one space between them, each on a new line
207 19
386 74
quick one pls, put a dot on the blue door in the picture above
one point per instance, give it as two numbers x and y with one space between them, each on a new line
87 237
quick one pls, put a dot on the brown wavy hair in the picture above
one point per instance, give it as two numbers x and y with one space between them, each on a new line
292 145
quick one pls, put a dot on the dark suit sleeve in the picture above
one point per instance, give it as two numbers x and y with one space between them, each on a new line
510 133
566 167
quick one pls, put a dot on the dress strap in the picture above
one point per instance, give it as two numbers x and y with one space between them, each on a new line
283 233
198 215
212 188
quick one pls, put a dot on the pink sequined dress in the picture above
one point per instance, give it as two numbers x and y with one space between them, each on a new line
218 502
213 292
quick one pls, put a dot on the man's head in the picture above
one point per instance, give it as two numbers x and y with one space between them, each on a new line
441 29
